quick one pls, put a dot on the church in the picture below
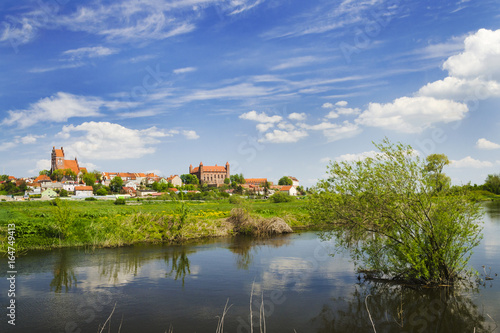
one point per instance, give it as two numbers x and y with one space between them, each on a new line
59 163
210 175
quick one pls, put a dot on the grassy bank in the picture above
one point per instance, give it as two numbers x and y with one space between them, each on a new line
44 224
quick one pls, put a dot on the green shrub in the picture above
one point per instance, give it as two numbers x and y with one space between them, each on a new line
119 201
90 199
280 197
235 200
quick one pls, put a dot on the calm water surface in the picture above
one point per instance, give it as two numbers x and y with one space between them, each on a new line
302 288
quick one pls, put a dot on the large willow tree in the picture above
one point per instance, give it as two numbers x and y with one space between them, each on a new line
386 211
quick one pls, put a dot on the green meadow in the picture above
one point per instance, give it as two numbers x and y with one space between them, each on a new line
63 223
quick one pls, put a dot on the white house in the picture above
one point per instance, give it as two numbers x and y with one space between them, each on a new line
175 180
290 189
84 191
295 181
132 184
69 186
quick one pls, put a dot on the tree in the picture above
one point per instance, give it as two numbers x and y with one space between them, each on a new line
102 191
238 179
116 184
384 209
285 181
435 165
89 179
190 179
227 181
44 172
492 183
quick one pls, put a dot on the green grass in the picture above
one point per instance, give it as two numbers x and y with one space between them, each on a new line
42 225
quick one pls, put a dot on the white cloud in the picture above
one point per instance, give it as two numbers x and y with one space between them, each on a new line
341 103
260 117
486 145
469 162
297 116
7 145
481 57
461 89
184 70
40 165
278 136
319 127
327 105
356 157
109 141
264 127
344 131
30 138
339 109
89 52
412 114
190 134
286 126
332 115
58 108
88 165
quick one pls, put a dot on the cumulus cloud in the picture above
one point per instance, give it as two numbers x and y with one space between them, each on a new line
340 108
40 165
279 136
412 114
190 134
58 108
264 127
260 117
297 116
109 141
486 145
469 162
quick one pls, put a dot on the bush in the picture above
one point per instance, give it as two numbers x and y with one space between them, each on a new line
119 201
246 224
235 200
280 197
101 191
90 199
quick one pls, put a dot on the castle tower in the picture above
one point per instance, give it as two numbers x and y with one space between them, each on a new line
228 175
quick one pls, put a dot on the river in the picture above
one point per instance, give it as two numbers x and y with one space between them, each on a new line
299 286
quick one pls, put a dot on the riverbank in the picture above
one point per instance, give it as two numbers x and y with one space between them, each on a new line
55 224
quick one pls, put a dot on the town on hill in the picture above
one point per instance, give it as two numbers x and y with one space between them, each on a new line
67 179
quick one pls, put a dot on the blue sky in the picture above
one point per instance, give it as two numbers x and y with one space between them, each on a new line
275 87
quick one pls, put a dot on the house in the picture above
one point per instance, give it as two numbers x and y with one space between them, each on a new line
144 193
49 194
175 180
295 181
69 186
42 179
211 175
130 190
290 189
131 184
173 190
84 191
256 181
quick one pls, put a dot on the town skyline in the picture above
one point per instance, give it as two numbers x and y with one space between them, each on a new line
273 87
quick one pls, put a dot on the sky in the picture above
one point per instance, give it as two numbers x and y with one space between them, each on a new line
274 87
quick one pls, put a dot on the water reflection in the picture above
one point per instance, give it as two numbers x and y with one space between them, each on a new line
179 263
64 274
396 308
242 246
493 210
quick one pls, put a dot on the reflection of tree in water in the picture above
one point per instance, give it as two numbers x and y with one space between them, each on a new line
129 260
493 210
179 262
242 246
64 274
402 309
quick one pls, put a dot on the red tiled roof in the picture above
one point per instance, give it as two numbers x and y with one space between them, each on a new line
72 165
59 153
255 180
131 189
172 177
173 189
293 179
12 177
210 168
84 188
42 178
286 188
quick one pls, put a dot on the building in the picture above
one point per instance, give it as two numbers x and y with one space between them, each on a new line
256 181
84 191
211 175
290 189
59 163
175 180
295 181
49 194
